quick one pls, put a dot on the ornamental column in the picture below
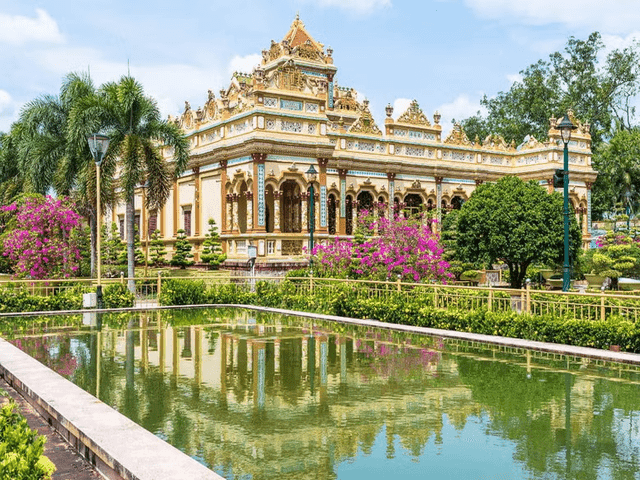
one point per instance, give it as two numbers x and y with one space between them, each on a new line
234 213
342 219
317 208
223 198
258 214
354 216
304 198
439 200
196 200
229 216
249 196
277 194
550 187
176 203
391 188
589 185
322 222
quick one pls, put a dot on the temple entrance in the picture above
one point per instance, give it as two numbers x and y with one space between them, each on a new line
332 214
349 212
456 202
413 203
290 209
242 208
268 209
365 202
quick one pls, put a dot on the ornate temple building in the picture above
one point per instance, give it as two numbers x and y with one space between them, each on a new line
251 146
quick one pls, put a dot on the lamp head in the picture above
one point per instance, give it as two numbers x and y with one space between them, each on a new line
311 174
566 127
98 144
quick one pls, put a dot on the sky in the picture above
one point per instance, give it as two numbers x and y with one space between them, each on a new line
446 54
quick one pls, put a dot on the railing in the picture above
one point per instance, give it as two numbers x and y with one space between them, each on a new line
592 306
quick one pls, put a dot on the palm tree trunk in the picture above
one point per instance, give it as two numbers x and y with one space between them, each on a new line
131 260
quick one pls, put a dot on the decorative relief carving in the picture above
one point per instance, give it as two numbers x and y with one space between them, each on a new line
415 151
365 124
293 127
531 143
271 102
346 102
290 77
414 115
457 136
311 107
496 142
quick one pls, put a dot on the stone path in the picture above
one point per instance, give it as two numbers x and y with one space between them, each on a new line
70 465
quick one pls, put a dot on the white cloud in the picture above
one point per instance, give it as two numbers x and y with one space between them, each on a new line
514 77
400 106
460 108
18 30
356 6
244 64
613 16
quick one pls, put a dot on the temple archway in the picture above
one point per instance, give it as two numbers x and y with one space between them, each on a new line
242 207
456 202
332 203
268 209
349 213
365 201
413 203
290 209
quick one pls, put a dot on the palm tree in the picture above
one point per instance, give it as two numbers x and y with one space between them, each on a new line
45 156
133 123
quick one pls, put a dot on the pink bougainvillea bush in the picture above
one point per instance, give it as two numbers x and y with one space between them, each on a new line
38 238
386 249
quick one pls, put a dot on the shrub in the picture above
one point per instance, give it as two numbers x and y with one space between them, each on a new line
21 449
117 295
178 291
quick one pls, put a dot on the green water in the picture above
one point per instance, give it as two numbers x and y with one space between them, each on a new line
260 396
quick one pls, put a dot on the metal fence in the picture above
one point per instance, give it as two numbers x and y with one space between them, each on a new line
593 306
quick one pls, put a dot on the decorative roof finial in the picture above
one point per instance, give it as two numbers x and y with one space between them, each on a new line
298 16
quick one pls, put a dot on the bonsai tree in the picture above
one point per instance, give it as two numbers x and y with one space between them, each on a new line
182 251
157 250
618 256
212 250
112 247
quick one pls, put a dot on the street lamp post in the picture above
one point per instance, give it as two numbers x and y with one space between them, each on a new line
566 127
98 145
311 177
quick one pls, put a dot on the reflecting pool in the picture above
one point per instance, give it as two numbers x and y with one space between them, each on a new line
263 396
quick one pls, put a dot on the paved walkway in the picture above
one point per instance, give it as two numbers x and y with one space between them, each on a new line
70 465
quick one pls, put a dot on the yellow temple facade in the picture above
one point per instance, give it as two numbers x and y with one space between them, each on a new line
251 146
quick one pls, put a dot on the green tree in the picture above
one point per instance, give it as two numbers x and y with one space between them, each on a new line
112 246
516 222
137 132
599 90
212 250
182 251
157 250
618 164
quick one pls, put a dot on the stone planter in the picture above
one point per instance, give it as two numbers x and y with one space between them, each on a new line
594 280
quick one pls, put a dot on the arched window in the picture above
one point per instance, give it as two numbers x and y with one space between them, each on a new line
291 207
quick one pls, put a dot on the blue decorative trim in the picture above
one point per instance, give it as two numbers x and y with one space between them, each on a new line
290 105
261 215
211 166
456 180
323 206
288 158
343 197
315 74
589 210
360 173
235 161
392 190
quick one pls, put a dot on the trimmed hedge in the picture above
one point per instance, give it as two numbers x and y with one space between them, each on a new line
21 449
117 295
356 301
19 300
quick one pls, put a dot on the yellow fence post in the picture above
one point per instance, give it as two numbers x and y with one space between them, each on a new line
435 297
601 304
490 301
121 277
159 286
311 281
399 286
528 297
522 301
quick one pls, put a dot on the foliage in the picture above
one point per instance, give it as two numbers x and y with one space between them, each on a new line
117 295
178 291
617 256
40 242
157 250
137 132
181 251
21 448
597 88
15 299
618 163
404 248
81 238
516 222
211 249
112 247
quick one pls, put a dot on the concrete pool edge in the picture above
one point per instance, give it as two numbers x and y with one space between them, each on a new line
118 447
557 348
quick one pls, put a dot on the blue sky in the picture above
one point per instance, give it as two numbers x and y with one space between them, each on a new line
444 53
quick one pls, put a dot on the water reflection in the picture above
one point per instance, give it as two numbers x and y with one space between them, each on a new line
276 398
